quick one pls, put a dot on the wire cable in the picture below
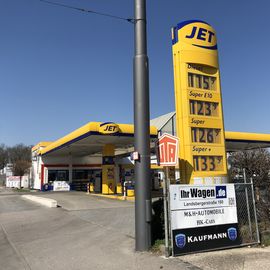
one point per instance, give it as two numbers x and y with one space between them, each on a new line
130 20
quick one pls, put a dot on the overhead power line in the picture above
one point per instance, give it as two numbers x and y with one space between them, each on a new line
130 20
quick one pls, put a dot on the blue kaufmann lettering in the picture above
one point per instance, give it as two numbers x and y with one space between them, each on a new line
201 34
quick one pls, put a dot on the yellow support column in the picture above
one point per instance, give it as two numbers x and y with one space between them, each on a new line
108 169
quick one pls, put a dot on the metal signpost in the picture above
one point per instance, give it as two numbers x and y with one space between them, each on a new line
168 156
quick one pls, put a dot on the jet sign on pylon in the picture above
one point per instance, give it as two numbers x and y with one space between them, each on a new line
168 150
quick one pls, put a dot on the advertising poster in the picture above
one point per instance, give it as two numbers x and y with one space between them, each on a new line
13 181
61 186
203 217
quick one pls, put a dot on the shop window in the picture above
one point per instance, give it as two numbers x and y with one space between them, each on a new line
82 174
57 175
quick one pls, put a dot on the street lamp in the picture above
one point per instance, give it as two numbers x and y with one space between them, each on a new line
143 205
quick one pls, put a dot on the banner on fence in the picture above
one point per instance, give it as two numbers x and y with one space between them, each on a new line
203 217
14 181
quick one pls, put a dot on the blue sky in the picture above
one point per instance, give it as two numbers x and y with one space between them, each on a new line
61 68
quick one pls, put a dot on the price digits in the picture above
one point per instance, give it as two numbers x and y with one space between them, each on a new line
205 135
208 163
203 108
201 81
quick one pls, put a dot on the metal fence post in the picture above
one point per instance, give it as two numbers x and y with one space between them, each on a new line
255 212
248 210
166 224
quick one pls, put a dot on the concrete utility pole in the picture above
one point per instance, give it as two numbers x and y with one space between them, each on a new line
143 207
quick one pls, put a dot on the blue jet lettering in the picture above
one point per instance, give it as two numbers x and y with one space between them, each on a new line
110 128
201 34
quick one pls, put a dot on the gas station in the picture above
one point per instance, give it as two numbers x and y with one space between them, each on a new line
102 157
96 154
99 154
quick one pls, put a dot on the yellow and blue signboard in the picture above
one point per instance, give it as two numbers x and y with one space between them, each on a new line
198 100
108 128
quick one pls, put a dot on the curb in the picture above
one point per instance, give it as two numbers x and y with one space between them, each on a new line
114 197
43 201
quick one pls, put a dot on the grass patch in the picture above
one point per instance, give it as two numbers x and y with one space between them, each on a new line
265 238
156 248
22 190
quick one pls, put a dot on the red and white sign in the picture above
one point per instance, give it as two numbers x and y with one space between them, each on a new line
168 150
13 181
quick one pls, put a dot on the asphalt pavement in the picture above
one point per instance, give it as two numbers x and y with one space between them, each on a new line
88 232
91 236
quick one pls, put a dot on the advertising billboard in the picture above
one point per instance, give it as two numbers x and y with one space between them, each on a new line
203 217
198 103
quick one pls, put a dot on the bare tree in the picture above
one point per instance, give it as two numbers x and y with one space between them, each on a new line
255 162
20 157
257 165
3 156
20 168
19 152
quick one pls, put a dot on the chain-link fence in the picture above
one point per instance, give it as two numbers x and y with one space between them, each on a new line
262 198
246 213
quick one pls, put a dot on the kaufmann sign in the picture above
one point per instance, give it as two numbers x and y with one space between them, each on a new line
203 217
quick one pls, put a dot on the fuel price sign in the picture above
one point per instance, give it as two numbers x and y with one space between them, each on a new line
199 114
